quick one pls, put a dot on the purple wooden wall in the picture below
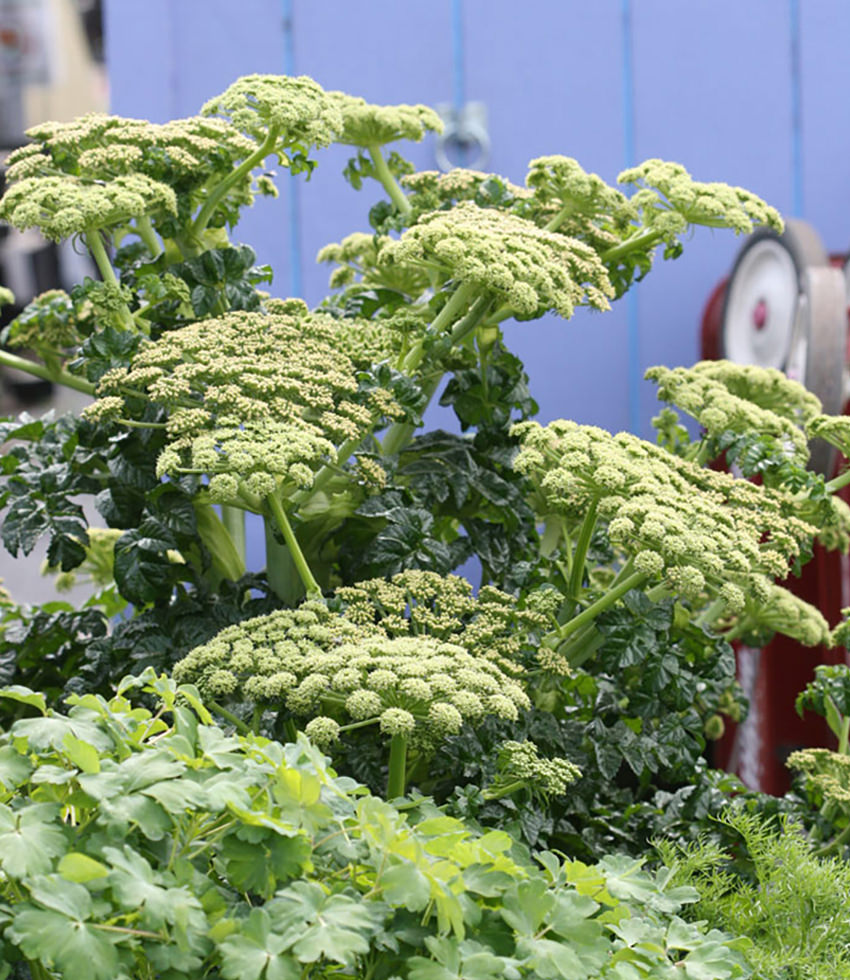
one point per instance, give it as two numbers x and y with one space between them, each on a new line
753 92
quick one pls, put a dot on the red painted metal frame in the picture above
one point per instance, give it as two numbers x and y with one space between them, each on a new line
774 676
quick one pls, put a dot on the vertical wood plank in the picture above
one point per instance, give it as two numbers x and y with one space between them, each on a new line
825 110
712 89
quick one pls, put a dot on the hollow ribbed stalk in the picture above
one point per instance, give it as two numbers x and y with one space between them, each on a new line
266 147
96 247
834 844
42 371
297 555
400 433
237 723
844 736
388 182
710 613
397 778
37 971
582 545
300 497
555 222
233 518
581 646
634 581
459 300
640 240
227 560
839 482
148 236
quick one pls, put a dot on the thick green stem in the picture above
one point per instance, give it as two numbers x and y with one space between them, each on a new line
397 778
400 433
555 223
458 301
640 240
218 192
710 613
582 545
233 518
41 371
497 794
463 328
297 555
228 561
329 470
611 596
388 182
581 646
834 844
37 971
94 241
839 482
844 736
237 723
144 227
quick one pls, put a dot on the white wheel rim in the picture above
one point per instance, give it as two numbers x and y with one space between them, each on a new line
761 307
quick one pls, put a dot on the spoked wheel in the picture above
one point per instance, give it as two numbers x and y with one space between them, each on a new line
786 308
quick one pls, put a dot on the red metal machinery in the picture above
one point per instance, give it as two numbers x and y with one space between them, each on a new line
785 305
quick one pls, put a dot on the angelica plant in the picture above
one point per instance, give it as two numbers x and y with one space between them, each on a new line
212 399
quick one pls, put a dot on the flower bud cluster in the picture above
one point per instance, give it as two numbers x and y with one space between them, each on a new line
64 206
48 322
298 108
723 396
185 150
834 429
521 760
586 206
670 199
692 528
262 398
826 772
356 257
368 125
781 611
432 190
321 665
530 269
419 603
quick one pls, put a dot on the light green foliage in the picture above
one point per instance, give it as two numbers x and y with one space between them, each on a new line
6 296
530 269
670 199
297 112
61 207
725 397
792 905
364 124
255 400
155 844
704 528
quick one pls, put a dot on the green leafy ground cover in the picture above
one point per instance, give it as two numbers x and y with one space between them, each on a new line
503 755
